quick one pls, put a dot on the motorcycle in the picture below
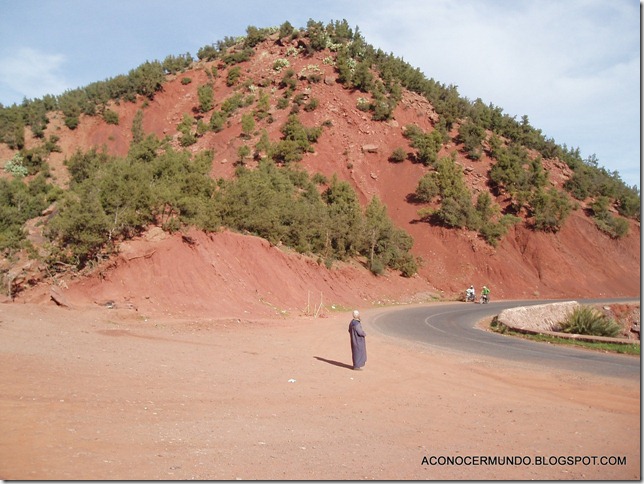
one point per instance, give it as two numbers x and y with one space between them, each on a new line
470 296
485 298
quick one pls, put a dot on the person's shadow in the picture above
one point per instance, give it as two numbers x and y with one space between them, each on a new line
335 363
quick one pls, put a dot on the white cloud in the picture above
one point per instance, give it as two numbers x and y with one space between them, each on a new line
573 67
32 74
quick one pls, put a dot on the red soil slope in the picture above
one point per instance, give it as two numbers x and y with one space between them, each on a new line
233 275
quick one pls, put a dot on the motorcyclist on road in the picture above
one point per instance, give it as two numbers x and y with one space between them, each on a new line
470 294
485 294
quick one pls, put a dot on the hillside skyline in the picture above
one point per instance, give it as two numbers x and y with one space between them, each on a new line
577 80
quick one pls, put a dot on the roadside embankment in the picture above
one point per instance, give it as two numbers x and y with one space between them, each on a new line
546 319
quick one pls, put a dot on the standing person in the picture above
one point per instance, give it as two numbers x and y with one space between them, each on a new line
358 344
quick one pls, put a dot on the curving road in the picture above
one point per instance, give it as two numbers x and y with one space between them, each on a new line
452 327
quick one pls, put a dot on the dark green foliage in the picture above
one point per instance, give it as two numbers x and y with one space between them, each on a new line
82 166
289 81
628 203
19 202
35 159
35 115
283 205
398 155
456 209
217 121
286 30
125 197
12 127
343 68
340 32
356 61
491 225
81 228
233 76
147 78
589 321
385 245
155 184
297 139
263 105
317 35
111 117
238 56
518 175
206 98
345 221
188 133
248 125
254 36
550 209
116 200
208 53
616 227
471 135
589 180
137 127
146 150
232 103
509 172
495 231
359 66
362 78
428 187
311 105
71 104
175 64
264 143
427 145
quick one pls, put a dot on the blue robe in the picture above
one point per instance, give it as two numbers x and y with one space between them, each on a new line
358 344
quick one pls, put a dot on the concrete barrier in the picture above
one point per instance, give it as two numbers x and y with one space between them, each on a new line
542 317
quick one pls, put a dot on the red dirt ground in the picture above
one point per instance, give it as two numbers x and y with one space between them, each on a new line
113 394
173 360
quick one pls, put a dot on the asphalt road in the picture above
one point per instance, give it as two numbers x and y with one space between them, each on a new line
451 327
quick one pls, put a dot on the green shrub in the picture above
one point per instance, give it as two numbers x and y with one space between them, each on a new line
206 98
589 321
616 227
232 104
233 76
550 209
427 144
398 155
111 117
472 135
217 121
311 105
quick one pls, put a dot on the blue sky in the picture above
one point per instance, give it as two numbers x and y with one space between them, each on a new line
572 66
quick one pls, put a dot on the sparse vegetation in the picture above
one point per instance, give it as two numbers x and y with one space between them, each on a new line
446 184
96 212
616 227
626 349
